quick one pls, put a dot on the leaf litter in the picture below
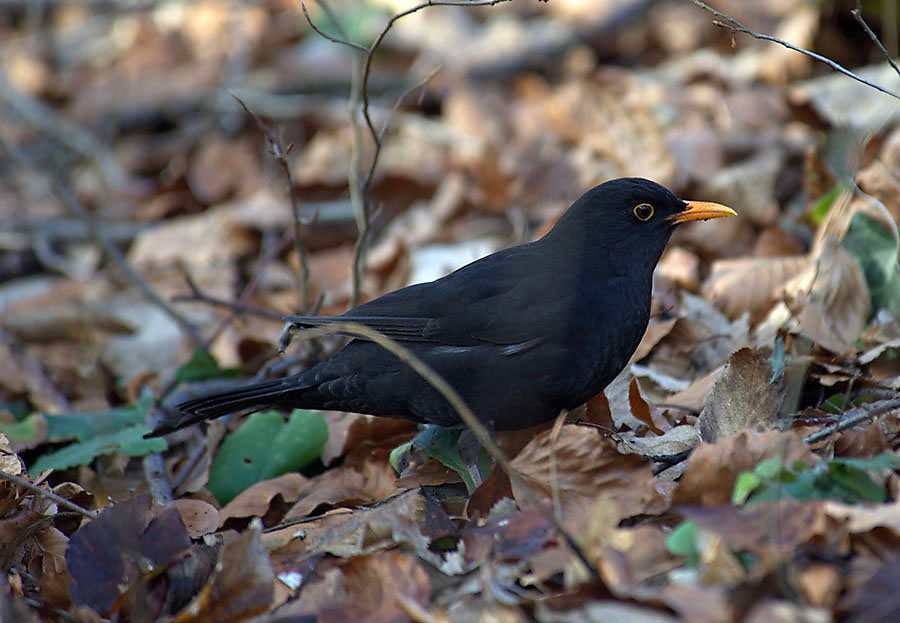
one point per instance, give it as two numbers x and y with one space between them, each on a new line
765 328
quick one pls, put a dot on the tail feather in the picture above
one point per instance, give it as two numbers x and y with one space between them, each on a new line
257 396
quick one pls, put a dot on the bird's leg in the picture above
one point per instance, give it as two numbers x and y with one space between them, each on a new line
470 451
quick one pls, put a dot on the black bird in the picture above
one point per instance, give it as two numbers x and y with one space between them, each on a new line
521 334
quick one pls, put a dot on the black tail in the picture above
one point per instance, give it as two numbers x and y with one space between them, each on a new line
257 396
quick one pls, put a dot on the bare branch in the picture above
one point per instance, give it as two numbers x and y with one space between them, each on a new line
53 497
237 306
735 26
854 417
325 35
358 183
857 14
280 154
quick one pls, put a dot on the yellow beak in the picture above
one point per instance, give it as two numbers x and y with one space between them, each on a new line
701 210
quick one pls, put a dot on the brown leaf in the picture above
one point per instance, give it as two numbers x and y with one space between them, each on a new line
697 393
681 267
586 464
365 476
783 611
744 396
53 577
770 531
494 488
712 468
750 285
830 299
820 584
241 587
375 586
108 556
876 599
255 501
199 517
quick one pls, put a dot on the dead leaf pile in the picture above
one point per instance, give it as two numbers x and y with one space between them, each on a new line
155 164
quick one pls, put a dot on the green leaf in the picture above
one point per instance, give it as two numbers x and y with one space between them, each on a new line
114 431
128 441
874 247
85 426
746 483
835 404
824 203
396 453
266 446
203 367
25 432
683 542
769 469
845 479
853 484
443 444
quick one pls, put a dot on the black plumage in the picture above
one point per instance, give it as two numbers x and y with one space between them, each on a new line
521 334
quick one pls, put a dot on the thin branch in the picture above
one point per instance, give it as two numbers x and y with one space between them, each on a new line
333 39
857 15
237 306
53 497
280 154
854 417
367 66
359 196
735 26
359 103
399 101
100 238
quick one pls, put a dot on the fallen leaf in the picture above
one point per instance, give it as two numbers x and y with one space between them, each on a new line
744 396
580 465
374 587
713 468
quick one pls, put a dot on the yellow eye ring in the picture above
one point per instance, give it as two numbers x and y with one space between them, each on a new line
643 211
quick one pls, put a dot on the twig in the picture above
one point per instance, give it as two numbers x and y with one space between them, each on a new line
665 461
735 26
69 504
444 389
333 39
99 236
154 469
359 196
359 103
857 15
280 154
198 295
854 417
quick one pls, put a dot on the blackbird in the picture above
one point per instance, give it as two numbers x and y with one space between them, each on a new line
521 334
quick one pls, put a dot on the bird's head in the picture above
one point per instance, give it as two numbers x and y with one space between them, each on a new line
632 218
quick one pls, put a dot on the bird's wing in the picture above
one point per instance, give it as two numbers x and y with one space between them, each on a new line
493 300
407 329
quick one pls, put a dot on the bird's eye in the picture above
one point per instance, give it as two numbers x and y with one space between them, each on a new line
643 211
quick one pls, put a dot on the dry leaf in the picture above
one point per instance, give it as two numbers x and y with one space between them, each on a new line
830 299
713 468
376 586
745 396
750 285
241 586
586 465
